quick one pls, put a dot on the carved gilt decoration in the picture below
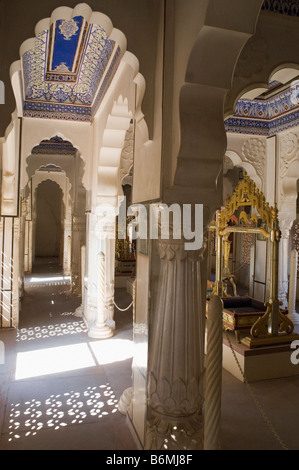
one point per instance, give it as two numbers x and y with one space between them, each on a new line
246 193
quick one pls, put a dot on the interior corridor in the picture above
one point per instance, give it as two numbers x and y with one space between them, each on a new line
59 389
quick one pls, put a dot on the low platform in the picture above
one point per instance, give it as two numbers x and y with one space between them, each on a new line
264 362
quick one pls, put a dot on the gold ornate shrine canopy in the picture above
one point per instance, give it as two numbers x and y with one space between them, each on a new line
273 327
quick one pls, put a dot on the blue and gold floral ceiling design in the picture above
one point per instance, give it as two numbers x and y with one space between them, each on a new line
271 112
69 71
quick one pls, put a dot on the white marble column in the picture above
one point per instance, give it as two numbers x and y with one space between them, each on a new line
101 241
79 310
293 315
213 389
99 329
26 246
67 248
110 272
78 239
15 296
284 263
175 369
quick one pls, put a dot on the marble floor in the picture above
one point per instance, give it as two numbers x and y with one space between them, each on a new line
59 389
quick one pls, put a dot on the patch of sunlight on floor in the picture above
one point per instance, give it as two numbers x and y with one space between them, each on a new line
57 411
53 360
40 279
109 351
47 331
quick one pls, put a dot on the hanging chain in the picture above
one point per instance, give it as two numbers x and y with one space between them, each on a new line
255 399
123 309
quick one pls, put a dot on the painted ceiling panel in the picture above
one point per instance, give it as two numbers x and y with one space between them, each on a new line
69 71
267 115
65 44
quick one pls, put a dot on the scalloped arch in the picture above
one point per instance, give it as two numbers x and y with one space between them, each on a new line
69 65
248 167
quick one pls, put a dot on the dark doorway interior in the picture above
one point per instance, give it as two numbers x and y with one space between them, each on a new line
48 230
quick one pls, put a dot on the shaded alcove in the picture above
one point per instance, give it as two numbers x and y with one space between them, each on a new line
49 217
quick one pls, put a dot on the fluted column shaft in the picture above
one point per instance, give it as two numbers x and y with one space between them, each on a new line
293 315
175 390
283 268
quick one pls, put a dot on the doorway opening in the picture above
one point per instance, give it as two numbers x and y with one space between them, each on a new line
48 246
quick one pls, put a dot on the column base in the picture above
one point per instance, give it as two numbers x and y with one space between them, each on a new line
125 401
79 311
111 324
294 317
167 433
100 331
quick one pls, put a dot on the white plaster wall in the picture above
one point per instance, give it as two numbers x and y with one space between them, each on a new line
10 168
181 16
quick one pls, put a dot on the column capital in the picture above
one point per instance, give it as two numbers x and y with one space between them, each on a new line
103 224
285 224
175 250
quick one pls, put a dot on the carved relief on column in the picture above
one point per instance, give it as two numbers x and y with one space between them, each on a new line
105 230
288 154
292 314
288 151
99 329
254 152
285 226
127 154
15 272
79 227
100 235
80 310
175 374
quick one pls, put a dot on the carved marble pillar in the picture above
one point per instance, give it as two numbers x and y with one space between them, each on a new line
15 295
103 229
175 369
284 262
293 315
106 234
78 239
99 329
79 310
26 246
67 247
110 273
27 234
